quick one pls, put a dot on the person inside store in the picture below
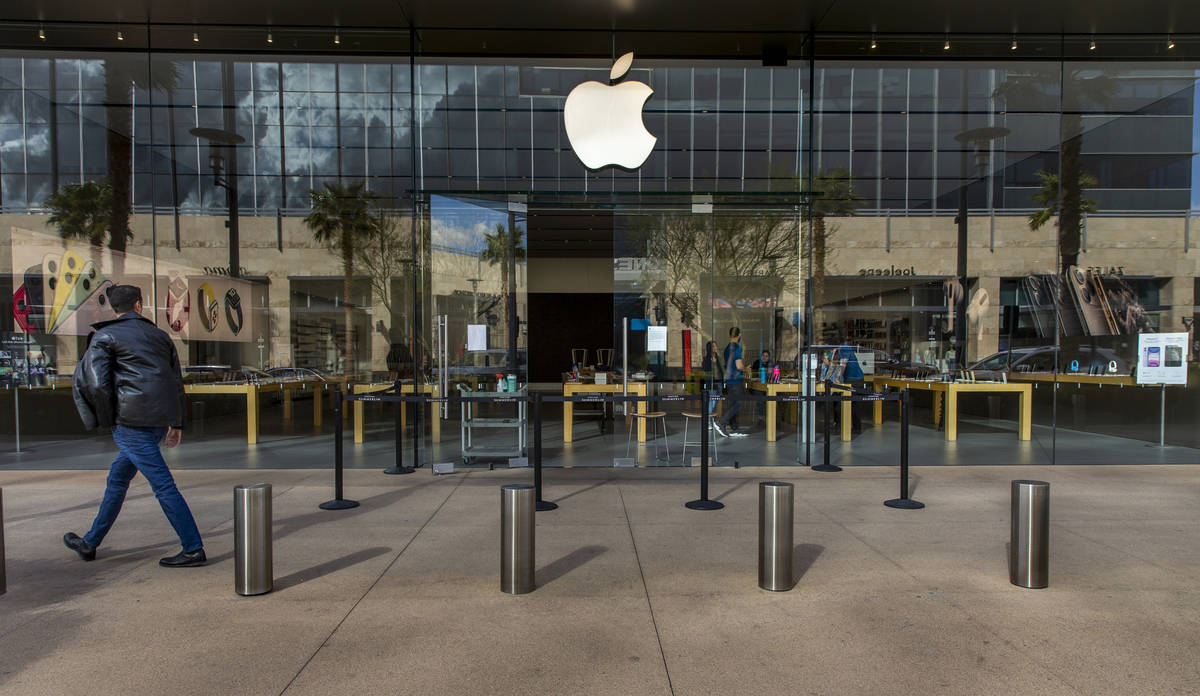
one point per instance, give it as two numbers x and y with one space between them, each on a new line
734 385
762 368
712 368
129 379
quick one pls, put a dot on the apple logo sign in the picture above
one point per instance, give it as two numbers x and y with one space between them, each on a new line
604 122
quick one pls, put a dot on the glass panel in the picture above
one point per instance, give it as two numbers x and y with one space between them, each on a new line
921 234
1128 142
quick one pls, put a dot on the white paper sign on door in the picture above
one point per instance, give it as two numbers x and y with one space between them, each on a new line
476 336
1162 358
656 338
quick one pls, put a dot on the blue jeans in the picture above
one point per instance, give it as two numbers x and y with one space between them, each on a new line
139 452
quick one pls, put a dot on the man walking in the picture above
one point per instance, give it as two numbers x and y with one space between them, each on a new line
129 378
734 389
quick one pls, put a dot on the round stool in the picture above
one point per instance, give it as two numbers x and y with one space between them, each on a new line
657 417
712 441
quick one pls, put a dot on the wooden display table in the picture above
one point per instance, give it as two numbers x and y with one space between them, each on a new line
302 385
430 389
773 389
950 391
249 390
574 388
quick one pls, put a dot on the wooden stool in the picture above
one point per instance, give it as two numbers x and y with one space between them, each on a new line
656 417
712 440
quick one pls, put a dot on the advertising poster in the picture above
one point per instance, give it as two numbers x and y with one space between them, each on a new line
59 285
1162 358
219 309
59 290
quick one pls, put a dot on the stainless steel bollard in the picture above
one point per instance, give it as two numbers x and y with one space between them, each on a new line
253 565
517 505
775 500
1029 551
3 576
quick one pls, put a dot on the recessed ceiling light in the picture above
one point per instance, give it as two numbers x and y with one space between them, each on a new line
1170 43
1092 45
195 37
874 45
1013 47
120 36
946 46
42 34
270 39
337 40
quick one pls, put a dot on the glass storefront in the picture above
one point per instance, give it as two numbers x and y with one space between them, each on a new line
304 222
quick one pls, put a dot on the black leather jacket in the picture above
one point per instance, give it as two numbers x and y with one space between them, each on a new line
129 375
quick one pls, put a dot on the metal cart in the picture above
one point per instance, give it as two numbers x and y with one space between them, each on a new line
471 421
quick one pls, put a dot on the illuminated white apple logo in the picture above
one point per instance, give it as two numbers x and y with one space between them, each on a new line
604 122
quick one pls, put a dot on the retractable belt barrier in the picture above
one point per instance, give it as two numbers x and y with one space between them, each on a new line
536 399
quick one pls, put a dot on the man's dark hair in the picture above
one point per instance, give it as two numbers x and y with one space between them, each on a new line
735 332
122 297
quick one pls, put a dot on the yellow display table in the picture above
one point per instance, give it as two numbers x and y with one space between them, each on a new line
772 389
575 388
950 391
430 389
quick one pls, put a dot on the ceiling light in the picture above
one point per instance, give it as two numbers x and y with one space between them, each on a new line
270 39
195 37
1092 45
1014 44
946 46
873 44
120 36
42 34
1170 43
337 40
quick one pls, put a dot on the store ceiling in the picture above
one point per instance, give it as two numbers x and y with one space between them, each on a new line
771 16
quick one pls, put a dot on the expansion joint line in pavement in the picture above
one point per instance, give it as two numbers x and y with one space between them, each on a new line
646 590
372 587
1031 656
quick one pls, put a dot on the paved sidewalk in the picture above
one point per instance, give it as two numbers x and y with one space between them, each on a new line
637 595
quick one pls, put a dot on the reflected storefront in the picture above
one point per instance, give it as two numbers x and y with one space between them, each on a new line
405 217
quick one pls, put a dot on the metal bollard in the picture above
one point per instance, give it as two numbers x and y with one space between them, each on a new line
775 535
1029 551
3 576
253 565
517 505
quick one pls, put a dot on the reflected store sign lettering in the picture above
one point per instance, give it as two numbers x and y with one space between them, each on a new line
891 271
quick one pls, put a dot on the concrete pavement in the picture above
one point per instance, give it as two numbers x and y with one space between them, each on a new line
637 595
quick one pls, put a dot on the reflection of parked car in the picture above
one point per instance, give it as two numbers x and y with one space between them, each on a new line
1103 361
297 373
202 374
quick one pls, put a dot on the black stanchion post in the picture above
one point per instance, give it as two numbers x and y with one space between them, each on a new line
904 502
828 398
338 502
703 503
398 467
540 505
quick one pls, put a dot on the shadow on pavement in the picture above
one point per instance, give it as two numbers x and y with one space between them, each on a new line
803 557
556 569
328 567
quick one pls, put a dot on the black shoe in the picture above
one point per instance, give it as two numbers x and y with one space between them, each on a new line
184 559
76 543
